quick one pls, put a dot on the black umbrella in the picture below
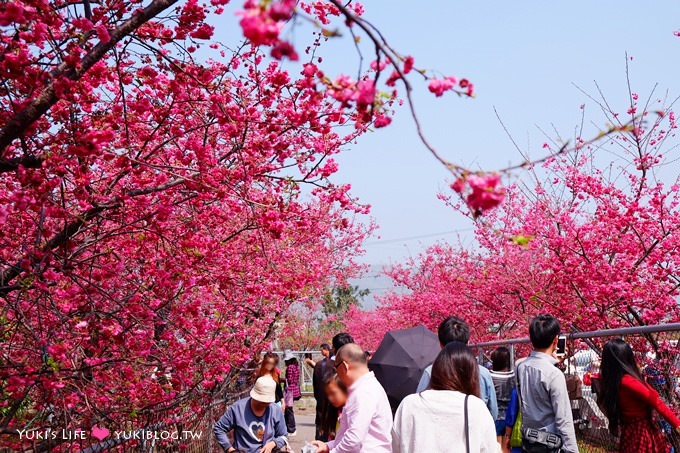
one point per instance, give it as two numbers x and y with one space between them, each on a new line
399 361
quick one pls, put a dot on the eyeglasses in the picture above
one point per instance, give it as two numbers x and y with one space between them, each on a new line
338 365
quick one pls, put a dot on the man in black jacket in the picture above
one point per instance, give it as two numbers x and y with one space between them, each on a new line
322 369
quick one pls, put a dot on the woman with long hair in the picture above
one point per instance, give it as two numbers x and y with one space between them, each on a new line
503 378
448 416
336 392
269 368
627 401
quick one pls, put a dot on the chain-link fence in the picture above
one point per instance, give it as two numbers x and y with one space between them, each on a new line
184 430
656 347
306 370
657 352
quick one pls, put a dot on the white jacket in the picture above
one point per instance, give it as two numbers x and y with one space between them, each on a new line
434 421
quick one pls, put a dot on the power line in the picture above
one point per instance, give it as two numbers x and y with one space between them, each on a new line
422 236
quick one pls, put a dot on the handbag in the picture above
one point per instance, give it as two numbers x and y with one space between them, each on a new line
288 397
516 436
595 384
467 428
574 386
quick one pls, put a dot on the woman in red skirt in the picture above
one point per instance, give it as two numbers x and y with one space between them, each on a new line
627 401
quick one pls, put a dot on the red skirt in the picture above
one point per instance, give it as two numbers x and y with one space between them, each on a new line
643 436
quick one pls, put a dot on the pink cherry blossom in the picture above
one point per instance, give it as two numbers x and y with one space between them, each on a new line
155 195
103 33
205 31
365 92
382 121
487 192
259 29
440 86
408 64
458 185
284 49
282 10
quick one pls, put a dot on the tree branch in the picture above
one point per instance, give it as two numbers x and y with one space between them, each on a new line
72 229
15 127
27 161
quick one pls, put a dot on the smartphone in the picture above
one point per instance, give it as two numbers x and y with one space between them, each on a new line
561 345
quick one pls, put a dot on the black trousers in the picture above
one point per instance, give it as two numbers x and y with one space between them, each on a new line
289 416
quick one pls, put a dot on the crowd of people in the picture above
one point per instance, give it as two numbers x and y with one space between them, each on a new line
458 406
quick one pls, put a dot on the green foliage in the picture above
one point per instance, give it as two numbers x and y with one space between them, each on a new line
339 299
306 326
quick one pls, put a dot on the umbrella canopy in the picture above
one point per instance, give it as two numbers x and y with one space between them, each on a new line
399 361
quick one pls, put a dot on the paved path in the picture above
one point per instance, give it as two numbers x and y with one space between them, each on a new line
305 431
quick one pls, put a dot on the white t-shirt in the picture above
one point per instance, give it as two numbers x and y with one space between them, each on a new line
434 421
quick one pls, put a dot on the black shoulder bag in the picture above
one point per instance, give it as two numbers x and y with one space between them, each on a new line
467 428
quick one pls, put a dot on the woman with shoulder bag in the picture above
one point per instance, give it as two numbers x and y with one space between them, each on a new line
449 416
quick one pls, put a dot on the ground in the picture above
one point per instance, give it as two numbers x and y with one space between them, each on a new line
304 419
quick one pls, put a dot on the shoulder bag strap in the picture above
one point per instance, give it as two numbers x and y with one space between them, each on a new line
467 427
519 393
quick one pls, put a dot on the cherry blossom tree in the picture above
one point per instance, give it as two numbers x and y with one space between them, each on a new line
590 236
163 200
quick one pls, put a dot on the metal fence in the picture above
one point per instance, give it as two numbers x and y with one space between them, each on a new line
657 352
306 371
186 431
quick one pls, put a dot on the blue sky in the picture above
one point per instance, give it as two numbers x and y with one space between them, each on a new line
523 58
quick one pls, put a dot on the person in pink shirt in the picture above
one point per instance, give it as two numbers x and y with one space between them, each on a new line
366 420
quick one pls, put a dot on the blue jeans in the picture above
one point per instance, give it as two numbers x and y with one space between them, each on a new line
500 427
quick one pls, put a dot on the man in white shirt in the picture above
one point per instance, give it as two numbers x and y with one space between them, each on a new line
366 420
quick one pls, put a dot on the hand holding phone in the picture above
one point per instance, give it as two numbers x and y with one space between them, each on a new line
561 346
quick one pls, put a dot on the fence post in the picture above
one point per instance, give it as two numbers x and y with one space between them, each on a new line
512 355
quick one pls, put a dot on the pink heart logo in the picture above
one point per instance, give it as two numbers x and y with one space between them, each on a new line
100 433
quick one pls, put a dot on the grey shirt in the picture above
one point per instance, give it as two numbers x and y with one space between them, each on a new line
544 398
